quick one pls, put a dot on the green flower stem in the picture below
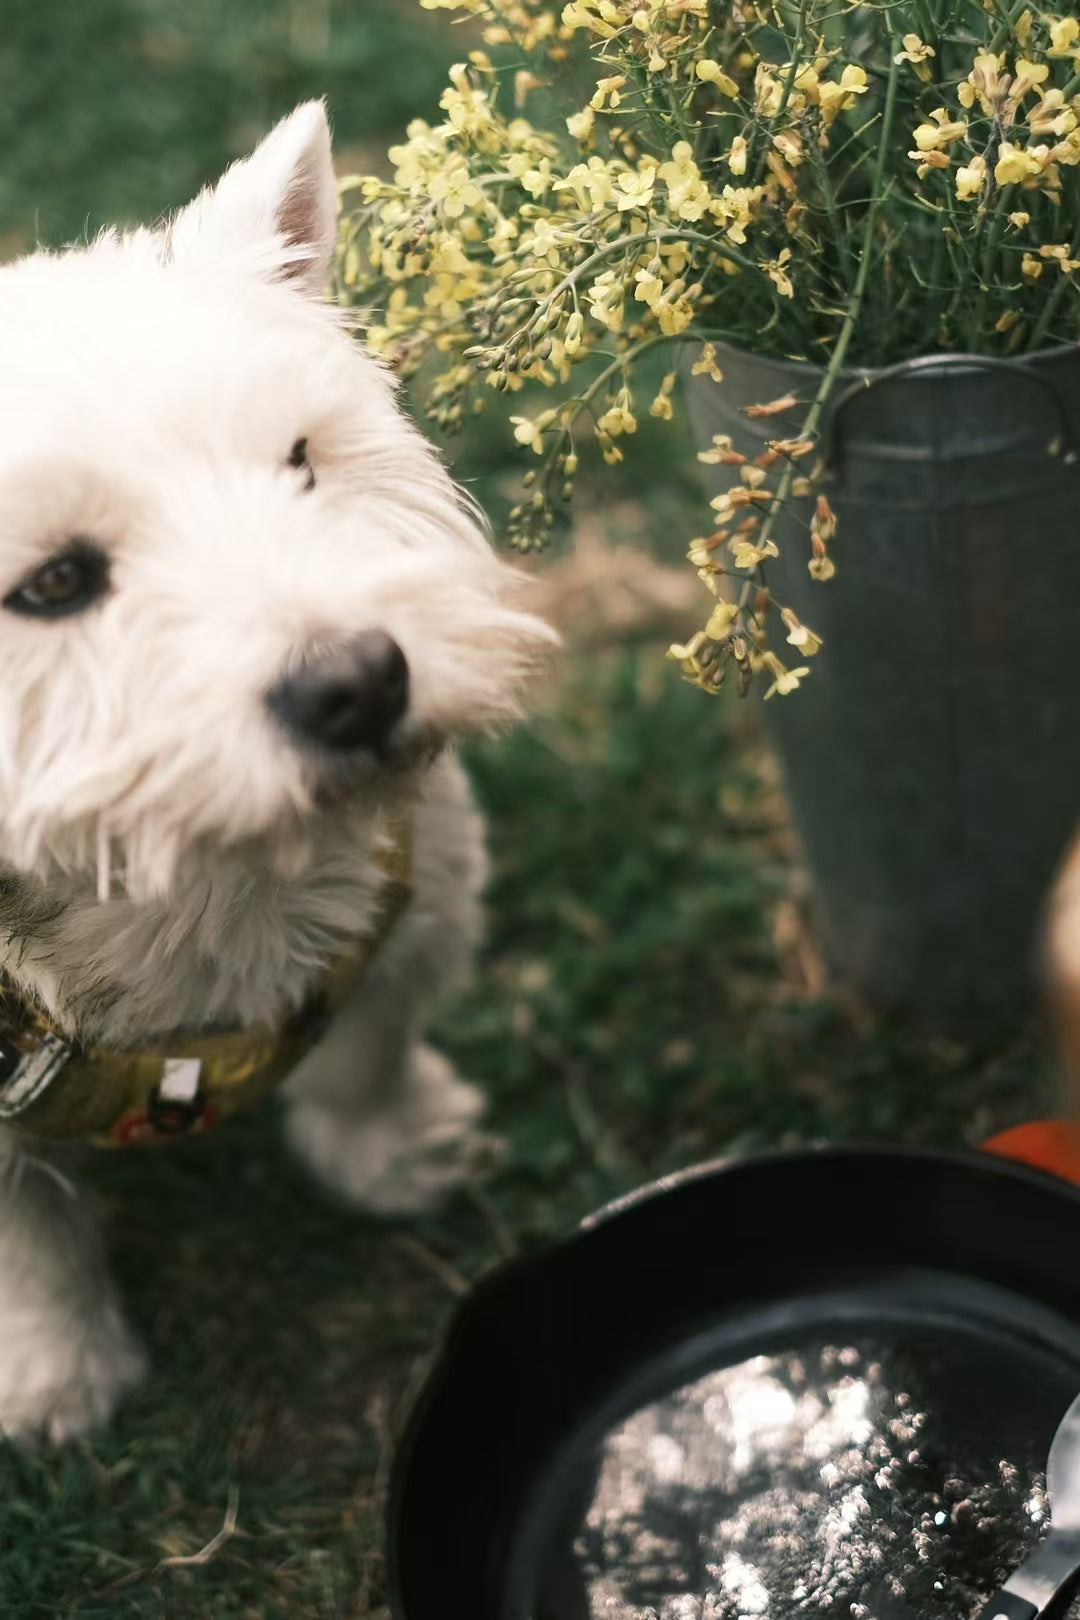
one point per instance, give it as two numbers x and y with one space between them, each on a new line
1012 13
836 361
794 65
630 357
1053 303
989 256
611 249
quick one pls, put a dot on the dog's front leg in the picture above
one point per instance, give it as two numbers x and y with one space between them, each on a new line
376 1113
379 1116
66 1353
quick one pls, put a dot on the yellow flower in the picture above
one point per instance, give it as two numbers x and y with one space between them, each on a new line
1027 76
526 431
1020 219
823 525
737 155
591 184
941 132
701 555
688 196
687 653
608 90
789 145
721 449
917 53
735 209
1068 150
680 172
721 619
581 124
544 242
986 82
971 179
779 276
635 189
1015 165
661 407
675 317
1051 116
1031 267
453 189
808 83
1060 252
837 98
575 327
800 635
580 14
650 287
786 680
605 298
746 555
1064 33
524 82
706 366
676 256
618 418
821 568
928 161
711 72
536 181
468 108
768 92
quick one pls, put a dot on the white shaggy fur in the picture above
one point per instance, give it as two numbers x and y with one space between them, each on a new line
169 858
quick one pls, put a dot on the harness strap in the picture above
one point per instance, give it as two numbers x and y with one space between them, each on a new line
56 1088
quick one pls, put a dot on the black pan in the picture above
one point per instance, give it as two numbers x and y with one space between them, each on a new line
836 1264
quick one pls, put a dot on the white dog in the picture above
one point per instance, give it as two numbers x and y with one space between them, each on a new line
243 611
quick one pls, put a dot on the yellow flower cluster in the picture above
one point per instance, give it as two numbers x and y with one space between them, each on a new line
778 184
1027 132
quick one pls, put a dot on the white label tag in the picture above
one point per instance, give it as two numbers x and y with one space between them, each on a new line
180 1081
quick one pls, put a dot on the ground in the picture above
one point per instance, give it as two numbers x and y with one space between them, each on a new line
649 997
650 994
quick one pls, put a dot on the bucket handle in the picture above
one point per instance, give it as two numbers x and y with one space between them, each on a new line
1062 449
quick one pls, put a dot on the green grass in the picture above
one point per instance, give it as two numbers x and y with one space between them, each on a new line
639 1005
632 1014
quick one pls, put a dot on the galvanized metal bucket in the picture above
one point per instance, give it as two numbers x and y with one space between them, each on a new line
933 760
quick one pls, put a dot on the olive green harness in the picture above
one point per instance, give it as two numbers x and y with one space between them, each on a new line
56 1088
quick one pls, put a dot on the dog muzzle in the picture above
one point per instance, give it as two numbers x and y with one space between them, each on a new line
57 1089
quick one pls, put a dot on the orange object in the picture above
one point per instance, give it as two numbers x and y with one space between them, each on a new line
1047 1144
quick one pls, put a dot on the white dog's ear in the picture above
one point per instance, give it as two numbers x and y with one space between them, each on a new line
274 212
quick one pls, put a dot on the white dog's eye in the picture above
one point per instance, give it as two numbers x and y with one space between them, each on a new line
298 458
70 581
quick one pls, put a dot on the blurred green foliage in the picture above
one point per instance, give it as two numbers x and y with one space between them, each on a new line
120 109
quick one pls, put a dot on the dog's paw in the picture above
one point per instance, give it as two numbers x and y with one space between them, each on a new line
404 1160
62 1376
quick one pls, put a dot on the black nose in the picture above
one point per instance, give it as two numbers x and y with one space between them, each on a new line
351 699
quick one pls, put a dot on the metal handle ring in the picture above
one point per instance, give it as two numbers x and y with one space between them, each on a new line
930 364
